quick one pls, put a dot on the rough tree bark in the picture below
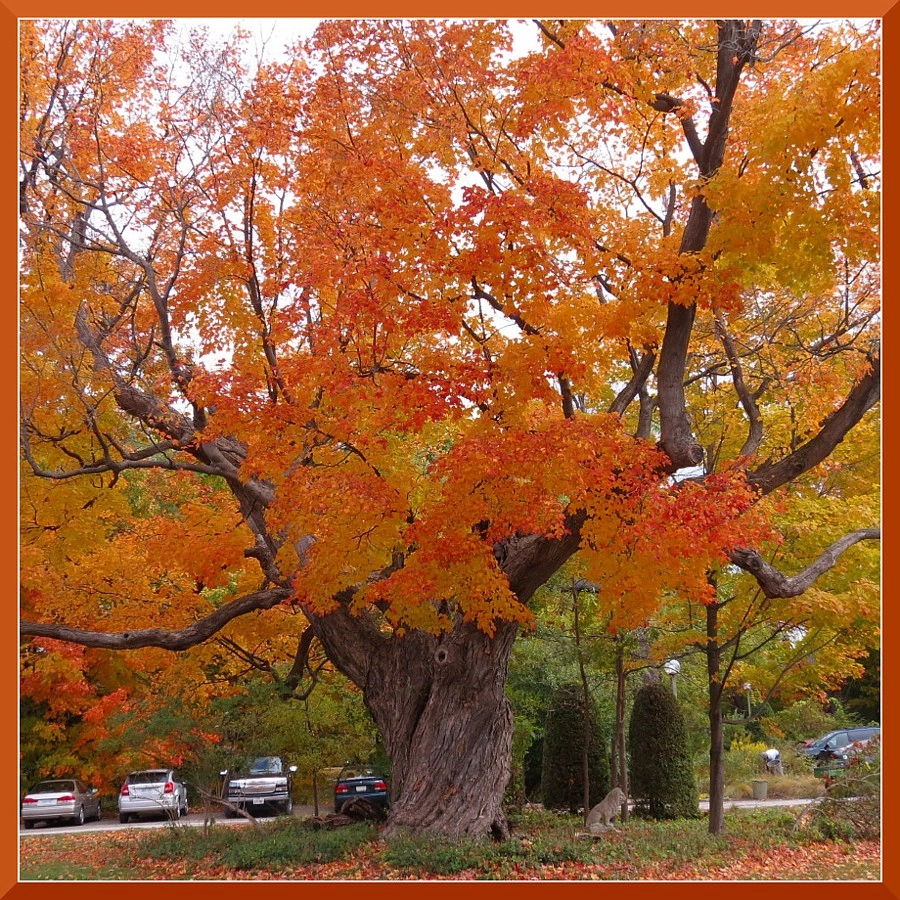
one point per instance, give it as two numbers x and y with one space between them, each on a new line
441 709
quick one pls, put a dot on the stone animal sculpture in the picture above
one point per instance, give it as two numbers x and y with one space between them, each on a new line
605 811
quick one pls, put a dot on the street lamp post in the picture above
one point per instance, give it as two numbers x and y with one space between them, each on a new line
672 668
747 688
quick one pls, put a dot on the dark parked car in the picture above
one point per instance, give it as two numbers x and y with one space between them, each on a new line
361 781
836 744
65 798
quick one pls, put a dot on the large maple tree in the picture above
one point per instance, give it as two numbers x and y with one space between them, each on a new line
396 324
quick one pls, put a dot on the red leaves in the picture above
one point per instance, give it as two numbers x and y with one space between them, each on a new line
813 862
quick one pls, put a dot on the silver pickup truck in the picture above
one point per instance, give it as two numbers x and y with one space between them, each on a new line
265 785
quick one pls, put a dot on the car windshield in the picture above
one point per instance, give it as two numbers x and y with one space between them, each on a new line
266 765
822 741
148 777
52 787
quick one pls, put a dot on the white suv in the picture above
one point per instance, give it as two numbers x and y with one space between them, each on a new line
152 792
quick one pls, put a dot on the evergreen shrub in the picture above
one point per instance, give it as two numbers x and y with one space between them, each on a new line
562 771
662 783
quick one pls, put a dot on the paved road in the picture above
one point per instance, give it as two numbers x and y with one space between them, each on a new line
112 823
194 819
753 804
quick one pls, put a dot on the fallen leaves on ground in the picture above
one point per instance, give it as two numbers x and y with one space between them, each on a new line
825 861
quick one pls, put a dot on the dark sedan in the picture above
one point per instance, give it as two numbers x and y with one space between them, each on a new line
361 782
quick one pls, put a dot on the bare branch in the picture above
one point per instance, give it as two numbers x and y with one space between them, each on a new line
480 294
179 639
549 34
865 394
748 402
775 584
667 103
642 368
302 663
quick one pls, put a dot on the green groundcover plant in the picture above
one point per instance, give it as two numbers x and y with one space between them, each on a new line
770 844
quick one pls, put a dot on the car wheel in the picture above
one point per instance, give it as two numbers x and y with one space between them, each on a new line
289 806
123 818
229 813
79 819
28 824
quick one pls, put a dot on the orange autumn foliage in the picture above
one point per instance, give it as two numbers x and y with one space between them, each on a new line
395 322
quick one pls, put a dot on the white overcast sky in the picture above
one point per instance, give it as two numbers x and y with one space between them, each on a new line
272 34
275 34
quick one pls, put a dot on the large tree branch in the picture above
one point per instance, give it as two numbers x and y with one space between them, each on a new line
529 560
225 454
641 367
775 584
179 639
865 394
676 431
736 47
301 660
667 103
351 641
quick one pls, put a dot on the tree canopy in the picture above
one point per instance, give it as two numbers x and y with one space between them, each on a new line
376 335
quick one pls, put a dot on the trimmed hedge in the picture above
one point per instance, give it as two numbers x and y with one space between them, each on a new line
662 776
562 773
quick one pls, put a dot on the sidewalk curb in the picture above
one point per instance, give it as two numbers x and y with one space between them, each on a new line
753 804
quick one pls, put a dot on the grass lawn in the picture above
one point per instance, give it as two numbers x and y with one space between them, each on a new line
758 845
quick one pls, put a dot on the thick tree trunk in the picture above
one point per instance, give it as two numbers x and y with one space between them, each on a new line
440 706
716 733
439 701
457 760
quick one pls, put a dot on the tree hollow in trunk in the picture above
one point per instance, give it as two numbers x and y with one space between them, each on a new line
440 706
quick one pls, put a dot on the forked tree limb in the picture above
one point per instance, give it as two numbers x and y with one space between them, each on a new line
864 395
775 584
736 47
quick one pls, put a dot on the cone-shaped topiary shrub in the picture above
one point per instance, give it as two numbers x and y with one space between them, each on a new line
662 783
562 774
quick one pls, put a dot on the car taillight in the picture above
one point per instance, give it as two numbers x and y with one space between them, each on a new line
30 800
124 791
169 788
66 798
380 786
341 789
